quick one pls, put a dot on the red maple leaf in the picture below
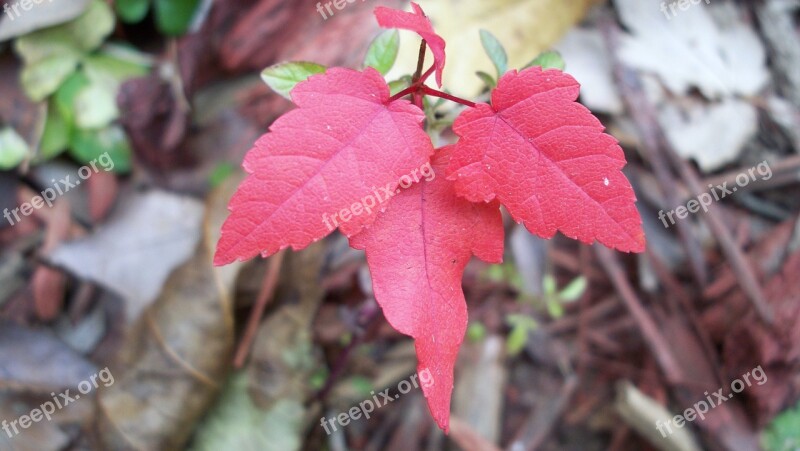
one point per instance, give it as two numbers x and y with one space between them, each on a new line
345 144
419 23
417 250
547 160
336 160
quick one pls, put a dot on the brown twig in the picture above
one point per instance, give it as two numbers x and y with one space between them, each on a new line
744 273
264 295
661 350
418 73
689 310
420 62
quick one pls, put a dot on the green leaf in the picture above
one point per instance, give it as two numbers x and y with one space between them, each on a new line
476 331
95 106
132 11
318 379
506 273
127 53
574 290
87 146
496 52
382 52
13 149
283 77
174 17
549 285
220 173
548 60
487 79
361 385
521 325
554 308
495 273
518 319
64 98
48 43
93 27
516 340
237 423
42 78
783 433
55 137
113 69
52 54
399 84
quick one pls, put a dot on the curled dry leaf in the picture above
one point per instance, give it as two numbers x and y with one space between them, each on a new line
174 361
271 414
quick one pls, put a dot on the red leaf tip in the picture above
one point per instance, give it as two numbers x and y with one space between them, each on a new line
419 23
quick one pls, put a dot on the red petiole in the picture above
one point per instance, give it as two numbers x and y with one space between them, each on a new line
418 88
409 90
435 93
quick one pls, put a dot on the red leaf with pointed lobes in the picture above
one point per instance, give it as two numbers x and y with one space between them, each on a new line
419 23
343 144
546 158
417 250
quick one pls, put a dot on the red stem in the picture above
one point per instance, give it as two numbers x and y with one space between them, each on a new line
403 93
433 92
264 295
418 87
423 47
427 74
